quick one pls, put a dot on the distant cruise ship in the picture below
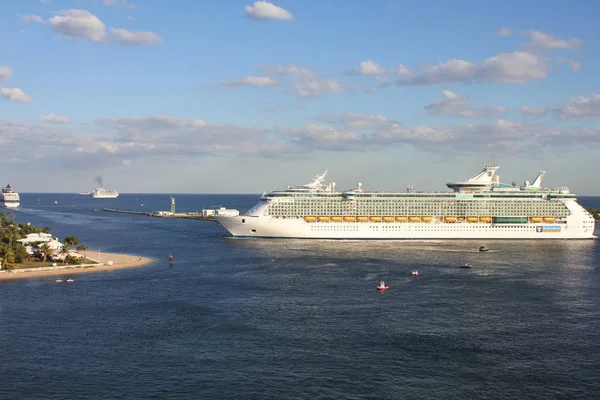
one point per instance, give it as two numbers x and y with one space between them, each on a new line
478 208
9 198
102 193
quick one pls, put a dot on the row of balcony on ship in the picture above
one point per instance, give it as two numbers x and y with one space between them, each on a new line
447 219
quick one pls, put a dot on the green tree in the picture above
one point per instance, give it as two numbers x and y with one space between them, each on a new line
83 248
21 254
46 251
71 241
47 229
65 252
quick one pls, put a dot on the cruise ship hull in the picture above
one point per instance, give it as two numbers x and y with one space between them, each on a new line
296 228
105 196
11 200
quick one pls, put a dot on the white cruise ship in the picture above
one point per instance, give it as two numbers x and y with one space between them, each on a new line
9 198
478 208
102 193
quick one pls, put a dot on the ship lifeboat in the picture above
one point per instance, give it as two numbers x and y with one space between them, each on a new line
375 219
549 219
414 219
310 219
485 219
449 219
535 219
323 219
382 286
401 219
426 219
388 219
472 219
336 219
349 219
362 219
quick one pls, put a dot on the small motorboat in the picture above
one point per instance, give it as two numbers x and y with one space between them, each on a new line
483 248
70 280
415 273
382 286
58 280
466 265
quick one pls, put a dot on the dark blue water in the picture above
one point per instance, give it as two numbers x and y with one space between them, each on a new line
271 319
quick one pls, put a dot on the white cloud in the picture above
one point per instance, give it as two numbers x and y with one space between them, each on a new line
32 18
255 81
312 87
134 38
516 67
533 111
460 106
402 70
575 65
263 10
15 94
124 3
290 70
5 73
369 67
304 82
83 24
505 31
542 41
580 107
79 24
54 119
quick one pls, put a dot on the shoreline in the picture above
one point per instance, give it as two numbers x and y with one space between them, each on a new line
119 261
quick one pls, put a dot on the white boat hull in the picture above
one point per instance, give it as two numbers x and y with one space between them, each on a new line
11 204
276 228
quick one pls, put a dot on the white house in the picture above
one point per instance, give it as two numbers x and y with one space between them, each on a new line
226 212
36 237
164 213
208 213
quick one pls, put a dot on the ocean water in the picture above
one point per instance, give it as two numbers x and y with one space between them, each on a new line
297 319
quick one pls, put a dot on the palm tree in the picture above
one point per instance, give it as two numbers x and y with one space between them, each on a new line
46 251
65 251
83 248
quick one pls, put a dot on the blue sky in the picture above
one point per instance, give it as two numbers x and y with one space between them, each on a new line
245 96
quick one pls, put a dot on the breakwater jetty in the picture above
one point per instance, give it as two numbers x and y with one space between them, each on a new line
162 214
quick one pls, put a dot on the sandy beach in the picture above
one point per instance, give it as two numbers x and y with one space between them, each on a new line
119 261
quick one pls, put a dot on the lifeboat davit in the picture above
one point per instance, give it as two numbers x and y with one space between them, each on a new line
382 286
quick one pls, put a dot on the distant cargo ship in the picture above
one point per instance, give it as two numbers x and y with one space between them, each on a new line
478 208
101 193
9 198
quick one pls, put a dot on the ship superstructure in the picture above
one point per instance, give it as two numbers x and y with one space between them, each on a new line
10 198
480 207
102 193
